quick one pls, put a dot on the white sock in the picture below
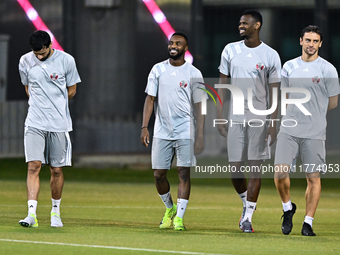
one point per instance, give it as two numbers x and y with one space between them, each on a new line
167 200
181 207
287 206
250 208
243 197
56 206
309 220
32 206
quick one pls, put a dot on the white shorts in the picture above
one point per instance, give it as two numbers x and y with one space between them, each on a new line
163 152
51 148
312 152
247 143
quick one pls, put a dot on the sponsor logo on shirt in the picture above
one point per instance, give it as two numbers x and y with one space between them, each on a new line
259 66
316 79
183 84
54 76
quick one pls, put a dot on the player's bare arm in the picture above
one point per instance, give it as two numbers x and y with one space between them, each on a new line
199 139
222 128
272 128
71 91
333 102
147 111
26 89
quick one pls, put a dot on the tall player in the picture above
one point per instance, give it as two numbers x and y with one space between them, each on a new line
307 138
173 86
50 77
249 63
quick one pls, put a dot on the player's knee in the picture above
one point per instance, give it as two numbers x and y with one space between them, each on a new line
281 171
281 175
159 176
313 181
34 167
184 174
56 171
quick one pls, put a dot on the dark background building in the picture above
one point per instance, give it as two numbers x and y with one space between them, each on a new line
116 43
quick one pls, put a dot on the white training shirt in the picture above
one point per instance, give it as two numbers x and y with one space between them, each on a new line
175 89
47 83
251 67
320 78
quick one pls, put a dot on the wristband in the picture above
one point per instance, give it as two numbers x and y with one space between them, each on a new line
143 127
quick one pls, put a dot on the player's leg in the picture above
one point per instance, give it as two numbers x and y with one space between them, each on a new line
312 195
163 189
161 181
161 155
287 149
238 179
184 185
185 159
56 183
257 152
33 181
239 182
237 153
58 155
282 183
313 156
34 145
183 195
253 190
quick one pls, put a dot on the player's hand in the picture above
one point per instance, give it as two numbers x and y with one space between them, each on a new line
222 129
272 133
199 145
144 137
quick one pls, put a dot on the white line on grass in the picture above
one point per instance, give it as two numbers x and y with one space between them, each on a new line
109 247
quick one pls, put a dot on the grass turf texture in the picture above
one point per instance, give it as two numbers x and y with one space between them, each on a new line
121 208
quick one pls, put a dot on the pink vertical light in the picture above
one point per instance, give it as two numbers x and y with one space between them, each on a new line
37 21
161 20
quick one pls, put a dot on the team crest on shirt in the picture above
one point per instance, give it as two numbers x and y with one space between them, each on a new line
316 79
54 76
183 84
260 66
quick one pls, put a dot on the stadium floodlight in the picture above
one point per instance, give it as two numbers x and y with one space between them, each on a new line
33 16
164 24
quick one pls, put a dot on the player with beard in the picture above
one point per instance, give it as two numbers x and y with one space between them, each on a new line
249 63
173 87
50 78
308 136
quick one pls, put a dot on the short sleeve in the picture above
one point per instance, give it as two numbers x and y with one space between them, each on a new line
72 76
225 61
284 76
152 85
198 87
332 82
274 74
23 72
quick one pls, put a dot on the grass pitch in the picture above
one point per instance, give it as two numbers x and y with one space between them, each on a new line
117 211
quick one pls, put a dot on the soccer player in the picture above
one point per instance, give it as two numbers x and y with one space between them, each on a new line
249 63
173 85
307 138
50 77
